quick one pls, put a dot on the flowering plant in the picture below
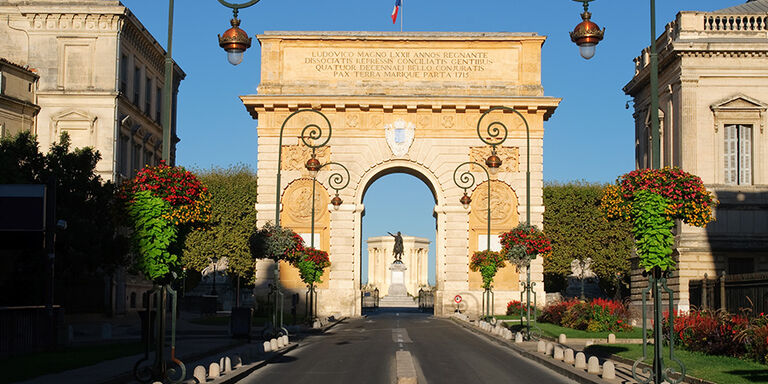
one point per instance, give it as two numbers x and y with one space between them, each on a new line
652 199
523 243
515 307
277 243
598 315
189 199
311 264
488 263
687 199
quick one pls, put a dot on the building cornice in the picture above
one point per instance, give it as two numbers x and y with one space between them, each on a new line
535 104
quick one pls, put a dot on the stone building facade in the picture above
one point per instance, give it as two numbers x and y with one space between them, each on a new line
713 90
399 103
101 77
415 258
18 98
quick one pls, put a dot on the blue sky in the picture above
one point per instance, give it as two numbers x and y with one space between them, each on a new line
589 137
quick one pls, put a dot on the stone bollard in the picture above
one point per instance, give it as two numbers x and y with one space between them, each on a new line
541 347
588 343
237 361
550 348
221 367
273 345
267 346
581 361
284 339
213 371
199 374
609 370
611 338
593 365
562 339
227 365
568 356
558 353
518 337
508 335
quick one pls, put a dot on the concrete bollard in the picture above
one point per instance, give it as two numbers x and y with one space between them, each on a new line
611 338
568 356
562 339
273 344
508 334
199 374
609 370
222 370
581 361
558 353
213 370
227 365
518 337
550 348
267 346
237 362
285 340
588 343
541 347
593 365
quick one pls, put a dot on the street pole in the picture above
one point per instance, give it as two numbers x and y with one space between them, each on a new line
654 75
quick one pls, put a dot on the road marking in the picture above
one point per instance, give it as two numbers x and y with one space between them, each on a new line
406 370
400 335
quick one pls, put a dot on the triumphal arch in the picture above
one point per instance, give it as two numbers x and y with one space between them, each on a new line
399 102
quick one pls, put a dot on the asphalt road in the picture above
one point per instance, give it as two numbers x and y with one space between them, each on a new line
363 351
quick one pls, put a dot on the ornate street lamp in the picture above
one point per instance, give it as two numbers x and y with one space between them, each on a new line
657 279
465 181
314 133
587 34
337 181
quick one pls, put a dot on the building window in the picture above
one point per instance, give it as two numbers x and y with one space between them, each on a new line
148 96
123 155
123 73
136 85
158 104
740 265
738 154
148 158
136 157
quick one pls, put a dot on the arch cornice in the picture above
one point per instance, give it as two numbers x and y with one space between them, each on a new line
256 104
399 165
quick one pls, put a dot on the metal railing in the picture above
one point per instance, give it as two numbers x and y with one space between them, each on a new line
426 299
731 292
29 329
369 299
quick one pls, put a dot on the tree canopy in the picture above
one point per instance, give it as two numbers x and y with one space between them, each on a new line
578 230
233 222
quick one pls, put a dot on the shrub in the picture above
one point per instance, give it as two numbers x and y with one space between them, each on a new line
598 315
488 263
515 307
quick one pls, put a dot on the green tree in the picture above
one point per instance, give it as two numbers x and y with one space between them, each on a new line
578 230
233 222
90 247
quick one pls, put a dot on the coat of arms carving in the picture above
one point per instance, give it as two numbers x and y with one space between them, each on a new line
399 135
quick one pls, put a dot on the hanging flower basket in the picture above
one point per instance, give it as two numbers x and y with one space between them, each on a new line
311 265
488 263
652 199
523 243
277 243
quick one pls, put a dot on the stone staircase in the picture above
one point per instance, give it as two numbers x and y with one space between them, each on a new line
404 301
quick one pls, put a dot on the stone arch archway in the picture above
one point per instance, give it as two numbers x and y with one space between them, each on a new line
418 117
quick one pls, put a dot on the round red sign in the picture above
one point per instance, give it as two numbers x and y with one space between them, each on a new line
457 299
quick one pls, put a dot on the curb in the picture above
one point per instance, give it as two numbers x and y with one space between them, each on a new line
247 370
562 369
688 378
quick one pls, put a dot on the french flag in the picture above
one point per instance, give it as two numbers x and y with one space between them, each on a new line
398 3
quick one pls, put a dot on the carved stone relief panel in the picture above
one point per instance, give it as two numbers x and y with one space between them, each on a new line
509 157
503 203
297 202
295 156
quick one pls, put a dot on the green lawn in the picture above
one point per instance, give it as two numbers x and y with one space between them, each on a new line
37 364
553 330
718 369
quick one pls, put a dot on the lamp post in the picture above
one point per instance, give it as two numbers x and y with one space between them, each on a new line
497 133
337 181
314 133
587 33
465 181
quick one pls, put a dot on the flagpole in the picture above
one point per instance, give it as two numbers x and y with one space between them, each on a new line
402 14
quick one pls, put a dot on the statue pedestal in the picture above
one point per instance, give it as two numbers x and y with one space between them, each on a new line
397 296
